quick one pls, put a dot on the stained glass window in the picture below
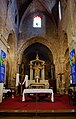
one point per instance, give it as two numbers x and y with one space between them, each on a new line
37 22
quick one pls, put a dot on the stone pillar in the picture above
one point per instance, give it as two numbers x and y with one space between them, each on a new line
18 65
43 73
31 72
52 69
61 77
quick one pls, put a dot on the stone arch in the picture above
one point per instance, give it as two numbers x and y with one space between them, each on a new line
38 39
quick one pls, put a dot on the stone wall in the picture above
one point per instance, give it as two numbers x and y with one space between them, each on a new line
7 26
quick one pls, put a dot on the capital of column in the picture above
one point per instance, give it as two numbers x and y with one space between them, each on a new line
62 59
43 66
30 66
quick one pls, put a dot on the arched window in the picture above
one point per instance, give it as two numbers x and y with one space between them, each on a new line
37 22
59 7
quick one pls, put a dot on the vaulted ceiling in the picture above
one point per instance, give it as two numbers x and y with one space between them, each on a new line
23 5
29 6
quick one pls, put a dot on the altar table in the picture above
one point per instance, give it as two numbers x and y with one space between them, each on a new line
37 91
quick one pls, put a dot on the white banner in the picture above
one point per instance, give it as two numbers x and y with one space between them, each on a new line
17 79
25 81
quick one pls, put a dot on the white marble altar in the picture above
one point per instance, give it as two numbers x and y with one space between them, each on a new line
36 91
37 72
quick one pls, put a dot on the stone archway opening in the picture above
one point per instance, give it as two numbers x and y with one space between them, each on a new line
44 54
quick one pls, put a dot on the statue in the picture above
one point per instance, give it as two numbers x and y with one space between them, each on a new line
37 68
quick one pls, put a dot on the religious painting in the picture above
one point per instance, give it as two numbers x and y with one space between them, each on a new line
2 65
72 67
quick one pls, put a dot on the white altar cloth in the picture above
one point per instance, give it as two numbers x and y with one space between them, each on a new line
36 91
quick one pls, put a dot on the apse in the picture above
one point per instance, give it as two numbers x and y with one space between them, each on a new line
44 54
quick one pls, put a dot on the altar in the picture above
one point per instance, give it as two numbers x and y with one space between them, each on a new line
38 91
37 74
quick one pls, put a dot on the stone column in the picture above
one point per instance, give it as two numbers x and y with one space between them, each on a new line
31 72
52 71
18 63
62 59
43 73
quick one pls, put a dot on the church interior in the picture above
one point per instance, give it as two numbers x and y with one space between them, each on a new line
37 49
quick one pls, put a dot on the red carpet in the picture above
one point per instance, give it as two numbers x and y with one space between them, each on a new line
60 103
